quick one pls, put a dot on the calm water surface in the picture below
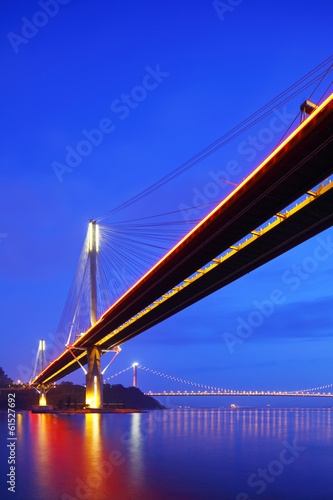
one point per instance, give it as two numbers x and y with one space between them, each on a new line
173 454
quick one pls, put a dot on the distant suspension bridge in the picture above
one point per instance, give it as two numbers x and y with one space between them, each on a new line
207 390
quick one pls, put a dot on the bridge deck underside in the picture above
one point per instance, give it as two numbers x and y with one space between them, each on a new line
304 161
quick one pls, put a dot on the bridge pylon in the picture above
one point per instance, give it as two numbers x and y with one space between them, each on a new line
41 388
94 379
94 376
135 374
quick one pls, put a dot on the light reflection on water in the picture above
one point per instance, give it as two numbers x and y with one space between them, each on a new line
172 454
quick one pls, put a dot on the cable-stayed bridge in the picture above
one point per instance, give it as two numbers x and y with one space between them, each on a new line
226 244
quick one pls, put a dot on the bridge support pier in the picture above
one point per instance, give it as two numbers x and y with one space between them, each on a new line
94 379
42 396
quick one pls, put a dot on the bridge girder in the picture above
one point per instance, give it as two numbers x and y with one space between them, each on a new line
294 168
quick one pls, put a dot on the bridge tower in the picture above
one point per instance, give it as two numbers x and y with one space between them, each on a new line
42 390
94 379
135 374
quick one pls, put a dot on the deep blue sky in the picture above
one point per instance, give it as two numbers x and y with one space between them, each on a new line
63 80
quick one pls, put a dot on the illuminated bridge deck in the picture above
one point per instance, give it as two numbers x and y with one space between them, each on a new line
301 162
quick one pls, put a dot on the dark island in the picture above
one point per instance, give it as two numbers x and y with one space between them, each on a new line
69 396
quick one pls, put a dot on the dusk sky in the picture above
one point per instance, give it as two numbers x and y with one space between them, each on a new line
204 68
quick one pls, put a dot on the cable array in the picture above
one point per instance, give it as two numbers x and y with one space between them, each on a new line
116 374
128 249
38 365
315 388
126 252
176 379
75 317
312 77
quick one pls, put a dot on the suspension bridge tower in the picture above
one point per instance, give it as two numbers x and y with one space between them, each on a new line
135 374
94 379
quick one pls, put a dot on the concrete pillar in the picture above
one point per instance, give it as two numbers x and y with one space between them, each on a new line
42 396
94 379
135 375
93 254
42 391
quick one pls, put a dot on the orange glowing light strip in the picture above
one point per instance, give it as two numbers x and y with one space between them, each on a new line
223 202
